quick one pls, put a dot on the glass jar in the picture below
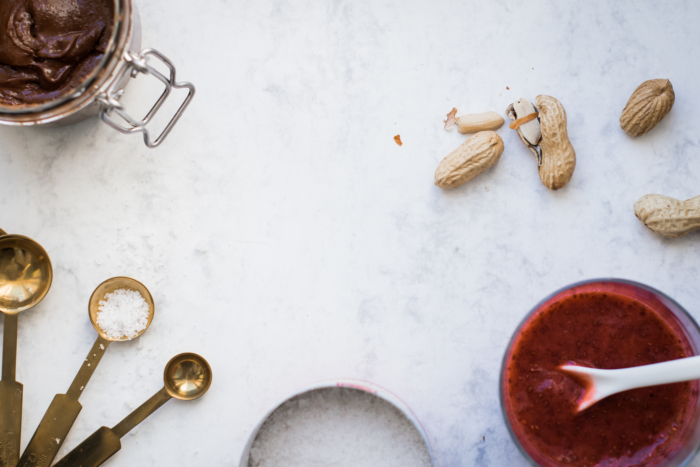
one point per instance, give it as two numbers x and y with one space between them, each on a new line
100 93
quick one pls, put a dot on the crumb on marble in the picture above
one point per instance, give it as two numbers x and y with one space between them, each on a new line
397 138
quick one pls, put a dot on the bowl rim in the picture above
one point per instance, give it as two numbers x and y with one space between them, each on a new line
348 383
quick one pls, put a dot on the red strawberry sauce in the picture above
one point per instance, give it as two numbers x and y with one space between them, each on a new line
602 330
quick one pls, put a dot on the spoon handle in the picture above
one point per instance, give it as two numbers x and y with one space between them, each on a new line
673 371
141 413
10 397
61 414
9 347
95 450
104 443
88 368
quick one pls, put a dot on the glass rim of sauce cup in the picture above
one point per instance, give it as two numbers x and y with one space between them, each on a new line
684 322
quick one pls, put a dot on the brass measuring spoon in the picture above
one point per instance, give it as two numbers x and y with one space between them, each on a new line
187 377
64 409
25 278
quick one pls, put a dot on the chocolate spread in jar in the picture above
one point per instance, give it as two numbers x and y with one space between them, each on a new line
48 47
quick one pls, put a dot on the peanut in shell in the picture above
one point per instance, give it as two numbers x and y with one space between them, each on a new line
558 155
668 216
647 106
474 156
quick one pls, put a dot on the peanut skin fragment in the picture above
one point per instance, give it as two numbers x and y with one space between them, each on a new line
451 119
668 216
521 121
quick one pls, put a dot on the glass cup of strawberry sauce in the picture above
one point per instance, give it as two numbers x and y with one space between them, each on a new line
603 323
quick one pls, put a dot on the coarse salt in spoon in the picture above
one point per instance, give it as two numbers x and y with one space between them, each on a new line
599 384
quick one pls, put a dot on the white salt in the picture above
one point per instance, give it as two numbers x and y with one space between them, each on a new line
338 427
124 313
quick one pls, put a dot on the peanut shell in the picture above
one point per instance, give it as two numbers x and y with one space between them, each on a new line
647 106
668 216
474 156
558 155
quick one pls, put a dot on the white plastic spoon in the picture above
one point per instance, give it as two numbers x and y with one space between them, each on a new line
599 384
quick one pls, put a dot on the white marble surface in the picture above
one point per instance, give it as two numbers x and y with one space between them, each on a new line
288 239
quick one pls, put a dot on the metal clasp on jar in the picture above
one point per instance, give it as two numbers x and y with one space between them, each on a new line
135 64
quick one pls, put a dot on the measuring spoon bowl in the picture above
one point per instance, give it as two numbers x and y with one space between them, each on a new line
25 273
109 286
187 376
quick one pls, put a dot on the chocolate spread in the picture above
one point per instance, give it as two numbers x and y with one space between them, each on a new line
48 47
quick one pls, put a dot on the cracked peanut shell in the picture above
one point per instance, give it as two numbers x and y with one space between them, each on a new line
474 156
647 106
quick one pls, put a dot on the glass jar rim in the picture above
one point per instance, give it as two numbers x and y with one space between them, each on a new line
101 70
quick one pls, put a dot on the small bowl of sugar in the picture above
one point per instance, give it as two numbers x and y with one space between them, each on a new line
343 423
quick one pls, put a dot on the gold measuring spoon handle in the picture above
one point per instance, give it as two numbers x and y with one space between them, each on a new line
9 347
104 443
88 368
62 413
2 232
10 396
141 413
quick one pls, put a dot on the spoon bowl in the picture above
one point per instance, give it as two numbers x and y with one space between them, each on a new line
25 273
187 376
109 286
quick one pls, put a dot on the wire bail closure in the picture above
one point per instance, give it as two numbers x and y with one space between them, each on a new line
110 99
